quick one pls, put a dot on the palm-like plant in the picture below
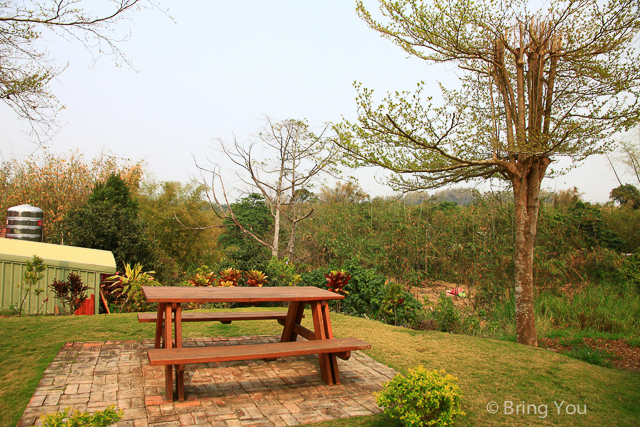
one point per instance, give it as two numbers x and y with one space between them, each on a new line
129 286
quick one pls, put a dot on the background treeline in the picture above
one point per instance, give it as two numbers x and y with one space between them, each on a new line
587 270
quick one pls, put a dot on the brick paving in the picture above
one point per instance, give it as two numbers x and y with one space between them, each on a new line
89 376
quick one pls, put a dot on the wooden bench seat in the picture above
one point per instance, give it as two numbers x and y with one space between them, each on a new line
341 347
178 357
225 318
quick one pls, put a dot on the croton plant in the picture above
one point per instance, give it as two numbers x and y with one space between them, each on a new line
337 280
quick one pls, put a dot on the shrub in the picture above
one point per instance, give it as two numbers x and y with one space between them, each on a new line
71 293
282 272
445 313
422 398
229 277
30 278
128 287
369 295
203 277
256 278
104 418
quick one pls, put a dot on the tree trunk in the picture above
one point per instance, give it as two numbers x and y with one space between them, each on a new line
276 231
526 192
292 241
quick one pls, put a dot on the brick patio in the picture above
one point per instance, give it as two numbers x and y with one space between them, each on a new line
89 376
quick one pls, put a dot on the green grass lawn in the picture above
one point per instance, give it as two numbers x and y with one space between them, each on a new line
488 370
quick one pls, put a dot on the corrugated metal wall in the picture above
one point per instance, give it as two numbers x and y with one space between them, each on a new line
11 293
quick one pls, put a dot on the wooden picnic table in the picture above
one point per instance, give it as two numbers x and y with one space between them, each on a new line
170 300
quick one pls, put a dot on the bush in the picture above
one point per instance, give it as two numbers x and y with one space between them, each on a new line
369 295
104 418
127 288
71 293
422 398
282 273
445 314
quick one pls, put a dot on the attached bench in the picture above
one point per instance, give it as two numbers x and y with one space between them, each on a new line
339 347
225 318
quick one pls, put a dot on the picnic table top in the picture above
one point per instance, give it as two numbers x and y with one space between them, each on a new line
187 294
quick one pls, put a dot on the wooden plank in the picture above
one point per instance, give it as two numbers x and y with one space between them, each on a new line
292 313
181 356
301 330
184 294
220 317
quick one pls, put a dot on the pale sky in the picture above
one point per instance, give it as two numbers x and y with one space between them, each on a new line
219 69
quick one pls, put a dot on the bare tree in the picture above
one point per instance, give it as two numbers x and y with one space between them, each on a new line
293 157
26 68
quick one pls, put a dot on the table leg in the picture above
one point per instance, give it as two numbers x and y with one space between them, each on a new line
168 340
294 317
179 368
323 331
333 361
159 325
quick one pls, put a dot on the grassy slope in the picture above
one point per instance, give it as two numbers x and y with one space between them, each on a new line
488 371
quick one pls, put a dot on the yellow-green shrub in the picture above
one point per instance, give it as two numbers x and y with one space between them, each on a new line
422 398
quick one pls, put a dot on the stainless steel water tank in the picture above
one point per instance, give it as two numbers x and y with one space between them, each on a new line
24 222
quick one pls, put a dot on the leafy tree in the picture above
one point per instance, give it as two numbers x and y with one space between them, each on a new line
173 212
626 195
110 221
299 157
251 215
559 81
25 67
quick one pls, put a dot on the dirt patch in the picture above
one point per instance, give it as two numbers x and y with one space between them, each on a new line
433 289
627 357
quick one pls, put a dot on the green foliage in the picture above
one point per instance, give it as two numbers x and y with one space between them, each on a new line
110 221
282 272
422 398
626 195
58 183
245 253
445 314
589 220
105 418
369 295
33 273
175 215
71 292
128 288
